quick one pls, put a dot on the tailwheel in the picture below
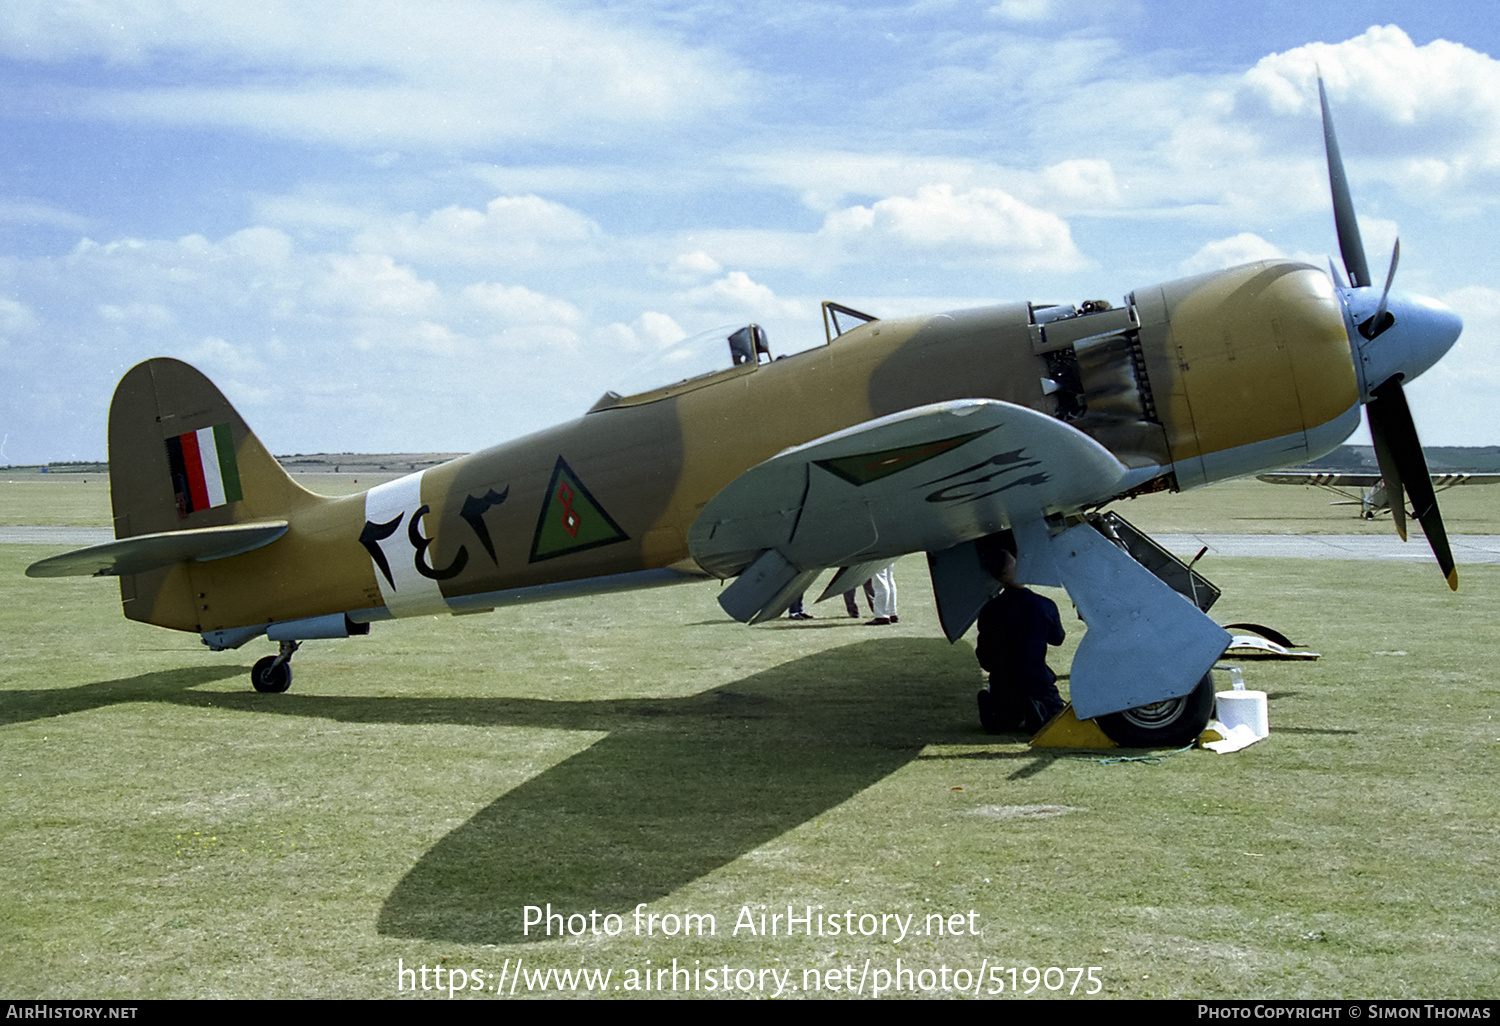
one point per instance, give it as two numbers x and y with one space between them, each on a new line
273 674
1170 724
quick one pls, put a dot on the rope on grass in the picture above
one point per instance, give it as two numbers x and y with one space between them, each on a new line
1150 760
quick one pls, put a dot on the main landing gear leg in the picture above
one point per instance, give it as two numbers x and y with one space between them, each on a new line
273 674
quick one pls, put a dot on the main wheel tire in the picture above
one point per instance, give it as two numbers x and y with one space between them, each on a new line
271 678
1170 724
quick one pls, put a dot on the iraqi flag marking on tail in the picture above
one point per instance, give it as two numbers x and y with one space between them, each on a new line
205 473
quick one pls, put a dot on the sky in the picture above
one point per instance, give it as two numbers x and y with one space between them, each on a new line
383 226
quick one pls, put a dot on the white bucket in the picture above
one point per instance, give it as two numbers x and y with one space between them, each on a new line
1245 708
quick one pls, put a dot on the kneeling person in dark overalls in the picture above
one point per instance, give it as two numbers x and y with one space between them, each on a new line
1015 628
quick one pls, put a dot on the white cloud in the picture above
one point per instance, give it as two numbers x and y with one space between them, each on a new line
1383 72
1087 182
147 315
1379 237
259 256
366 282
425 338
219 357
692 266
997 153
383 72
1244 248
1026 10
652 332
515 304
659 329
31 213
987 224
306 212
264 247
510 229
15 317
736 294
1119 135
826 179
1421 116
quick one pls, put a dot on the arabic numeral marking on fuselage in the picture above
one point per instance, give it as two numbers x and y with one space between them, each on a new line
473 511
420 544
405 575
371 537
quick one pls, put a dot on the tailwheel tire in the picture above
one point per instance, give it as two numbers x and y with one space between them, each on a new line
1170 724
270 678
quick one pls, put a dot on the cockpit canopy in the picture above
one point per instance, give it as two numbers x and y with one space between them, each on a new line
697 360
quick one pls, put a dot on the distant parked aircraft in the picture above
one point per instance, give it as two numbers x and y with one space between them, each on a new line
1367 491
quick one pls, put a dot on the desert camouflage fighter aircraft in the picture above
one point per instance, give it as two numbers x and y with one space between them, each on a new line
948 434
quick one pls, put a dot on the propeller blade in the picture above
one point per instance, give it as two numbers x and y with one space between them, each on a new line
1390 470
1406 452
1338 279
1380 320
1350 245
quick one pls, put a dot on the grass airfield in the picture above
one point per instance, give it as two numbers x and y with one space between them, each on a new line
167 832
1244 506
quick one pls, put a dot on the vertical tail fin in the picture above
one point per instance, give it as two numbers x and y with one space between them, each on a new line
181 457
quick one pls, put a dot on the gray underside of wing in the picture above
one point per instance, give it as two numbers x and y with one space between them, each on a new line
921 480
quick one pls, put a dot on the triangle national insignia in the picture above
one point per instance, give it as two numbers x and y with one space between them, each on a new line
572 519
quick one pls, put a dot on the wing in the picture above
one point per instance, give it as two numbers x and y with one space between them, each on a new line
941 478
1442 482
1321 478
926 479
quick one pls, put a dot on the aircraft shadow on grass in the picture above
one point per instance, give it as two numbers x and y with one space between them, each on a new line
678 788
21 706
683 787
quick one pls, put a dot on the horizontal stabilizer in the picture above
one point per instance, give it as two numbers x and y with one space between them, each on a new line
147 552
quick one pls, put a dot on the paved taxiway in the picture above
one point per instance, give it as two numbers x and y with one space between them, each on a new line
79 536
1467 548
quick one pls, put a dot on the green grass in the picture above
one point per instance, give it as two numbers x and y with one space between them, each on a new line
54 499
1244 506
82 500
167 832
1248 506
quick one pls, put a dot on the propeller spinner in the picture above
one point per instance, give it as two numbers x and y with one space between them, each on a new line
1393 337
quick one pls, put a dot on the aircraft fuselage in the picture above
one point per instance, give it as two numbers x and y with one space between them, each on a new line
1203 378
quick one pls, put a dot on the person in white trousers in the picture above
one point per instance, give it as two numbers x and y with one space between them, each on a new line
885 597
